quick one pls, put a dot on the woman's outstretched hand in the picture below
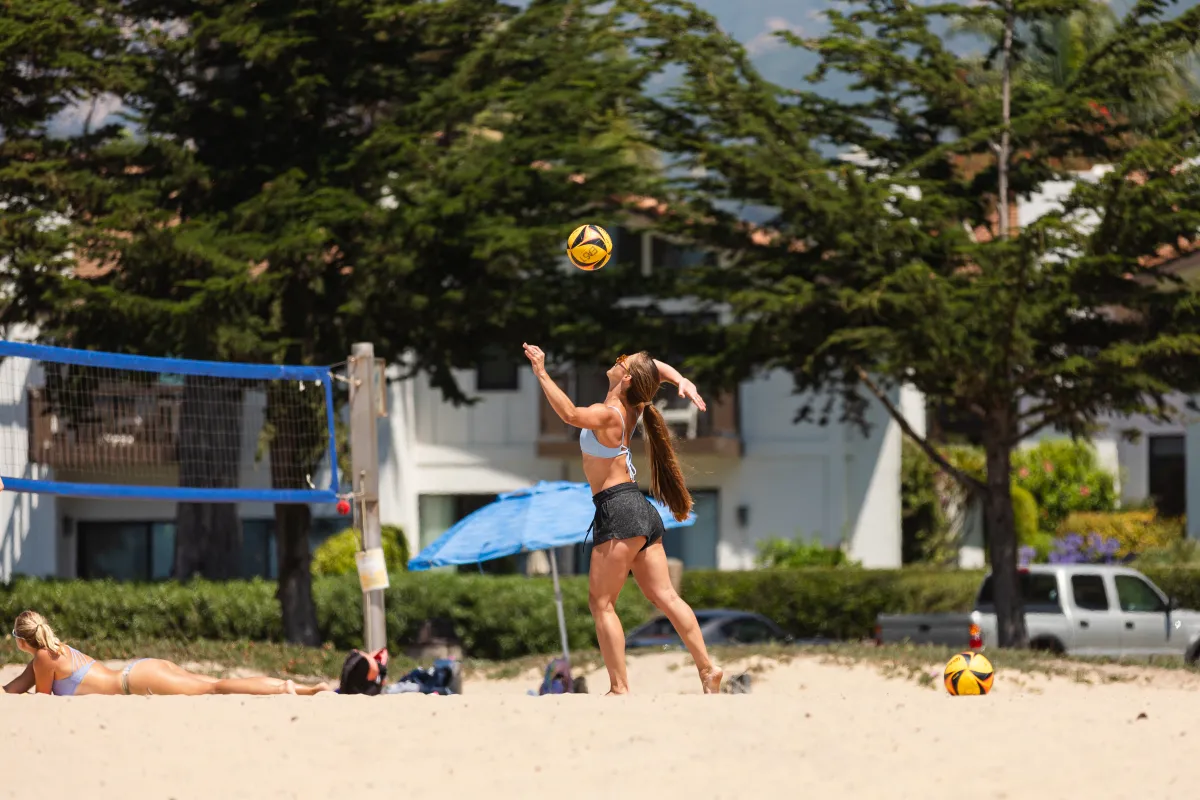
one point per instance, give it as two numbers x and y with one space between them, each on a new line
537 359
687 390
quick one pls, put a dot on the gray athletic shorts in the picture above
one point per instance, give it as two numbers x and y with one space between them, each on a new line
623 512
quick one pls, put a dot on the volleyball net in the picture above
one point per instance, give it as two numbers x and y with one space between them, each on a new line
90 424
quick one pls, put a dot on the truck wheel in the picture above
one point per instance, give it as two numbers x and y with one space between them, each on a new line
1047 644
1193 655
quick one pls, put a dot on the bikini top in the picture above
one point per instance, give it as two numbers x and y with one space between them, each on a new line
81 664
590 445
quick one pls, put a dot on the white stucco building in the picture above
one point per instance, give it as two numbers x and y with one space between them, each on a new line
754 474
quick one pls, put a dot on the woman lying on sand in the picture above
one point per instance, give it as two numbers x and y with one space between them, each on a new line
62 670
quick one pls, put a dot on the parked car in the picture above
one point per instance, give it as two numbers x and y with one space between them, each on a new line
718 626
1074 609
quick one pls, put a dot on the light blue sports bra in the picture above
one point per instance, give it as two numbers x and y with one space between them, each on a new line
590 445
81 664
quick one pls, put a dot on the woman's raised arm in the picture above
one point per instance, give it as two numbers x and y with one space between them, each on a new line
687 389
589 417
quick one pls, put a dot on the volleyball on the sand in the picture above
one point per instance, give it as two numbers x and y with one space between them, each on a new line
969 673
589 247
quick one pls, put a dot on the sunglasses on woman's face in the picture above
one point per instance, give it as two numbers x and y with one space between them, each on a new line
621 359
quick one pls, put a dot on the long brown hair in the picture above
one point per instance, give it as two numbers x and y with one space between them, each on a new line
666 478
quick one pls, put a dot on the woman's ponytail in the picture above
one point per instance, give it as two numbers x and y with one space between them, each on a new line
666 478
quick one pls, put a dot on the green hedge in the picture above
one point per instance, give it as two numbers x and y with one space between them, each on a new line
495 616
838 603
505 616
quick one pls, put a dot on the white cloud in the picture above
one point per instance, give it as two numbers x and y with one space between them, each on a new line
768 39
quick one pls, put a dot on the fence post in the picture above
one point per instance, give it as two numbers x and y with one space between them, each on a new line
364 458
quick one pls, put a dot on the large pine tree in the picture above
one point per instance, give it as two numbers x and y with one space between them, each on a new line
57 60
310 174
900 265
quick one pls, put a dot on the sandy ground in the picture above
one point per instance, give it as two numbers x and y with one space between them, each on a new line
809 728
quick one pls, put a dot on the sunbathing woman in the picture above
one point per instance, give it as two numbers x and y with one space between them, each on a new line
63 670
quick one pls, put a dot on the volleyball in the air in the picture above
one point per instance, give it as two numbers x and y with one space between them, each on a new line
589 247
969 673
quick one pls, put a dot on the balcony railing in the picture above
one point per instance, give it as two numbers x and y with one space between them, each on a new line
122 426
714 432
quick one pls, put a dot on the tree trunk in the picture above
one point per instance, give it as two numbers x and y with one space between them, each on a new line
208 536
292 523
1002 156
295 448
1002 545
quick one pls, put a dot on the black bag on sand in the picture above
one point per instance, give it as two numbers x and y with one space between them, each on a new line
364 673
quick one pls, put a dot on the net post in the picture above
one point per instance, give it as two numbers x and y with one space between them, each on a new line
364 457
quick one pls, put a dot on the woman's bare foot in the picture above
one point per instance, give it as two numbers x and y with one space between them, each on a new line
308 691
711 679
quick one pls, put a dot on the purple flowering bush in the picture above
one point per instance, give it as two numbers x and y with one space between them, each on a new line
1075 548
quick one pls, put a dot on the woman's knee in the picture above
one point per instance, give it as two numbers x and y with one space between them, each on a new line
664 598
600 603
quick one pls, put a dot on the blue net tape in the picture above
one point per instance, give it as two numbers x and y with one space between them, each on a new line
175 493
172 366
82 420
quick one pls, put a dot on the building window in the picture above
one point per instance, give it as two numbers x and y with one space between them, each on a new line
627 247
498 370
696 545
437 513
126 551
145 551
1168 475
260 557
666 254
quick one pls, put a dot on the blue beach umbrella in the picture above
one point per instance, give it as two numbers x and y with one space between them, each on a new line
546 515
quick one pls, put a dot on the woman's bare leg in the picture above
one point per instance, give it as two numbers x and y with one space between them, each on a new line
654 579
256 688
606 576
180 670
156 676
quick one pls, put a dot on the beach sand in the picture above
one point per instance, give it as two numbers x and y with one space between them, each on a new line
809 728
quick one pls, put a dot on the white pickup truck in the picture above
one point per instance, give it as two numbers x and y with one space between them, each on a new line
1075 609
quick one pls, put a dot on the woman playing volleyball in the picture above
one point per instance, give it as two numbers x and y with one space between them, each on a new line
627 531
62 670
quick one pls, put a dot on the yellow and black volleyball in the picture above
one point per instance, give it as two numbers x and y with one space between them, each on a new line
969 673
589 247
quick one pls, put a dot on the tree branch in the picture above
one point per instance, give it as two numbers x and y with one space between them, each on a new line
1037 411
1031 430
929 450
